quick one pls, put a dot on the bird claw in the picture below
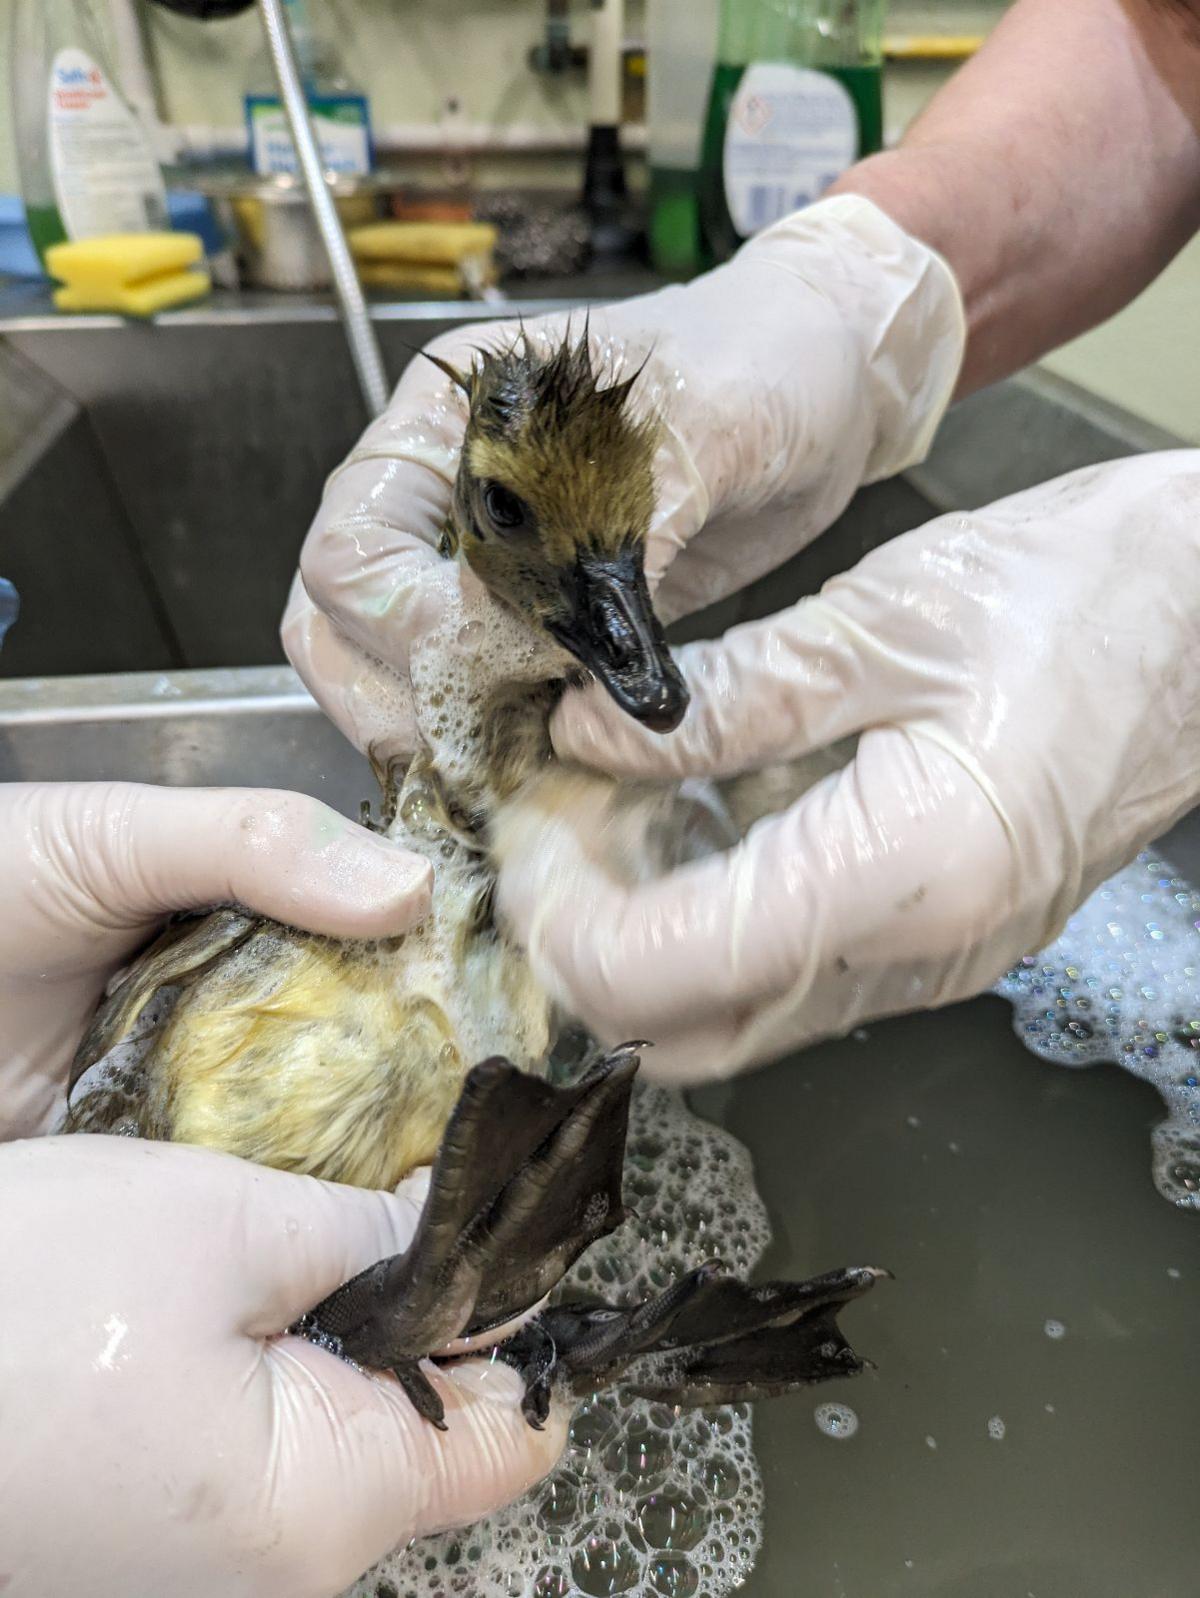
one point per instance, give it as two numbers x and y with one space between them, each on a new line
420 1391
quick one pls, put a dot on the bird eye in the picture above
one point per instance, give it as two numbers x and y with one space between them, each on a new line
504 509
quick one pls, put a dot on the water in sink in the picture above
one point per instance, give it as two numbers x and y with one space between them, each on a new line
1032 1418
1034 1389
1122 984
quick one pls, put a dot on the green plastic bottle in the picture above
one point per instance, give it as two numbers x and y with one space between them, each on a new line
681 48
85 159
797 97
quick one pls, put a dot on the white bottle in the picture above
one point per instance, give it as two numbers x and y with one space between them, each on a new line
86 163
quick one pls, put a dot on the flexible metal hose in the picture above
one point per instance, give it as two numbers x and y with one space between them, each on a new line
360 335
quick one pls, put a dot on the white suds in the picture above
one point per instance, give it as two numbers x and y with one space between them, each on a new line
647 1499
1122 983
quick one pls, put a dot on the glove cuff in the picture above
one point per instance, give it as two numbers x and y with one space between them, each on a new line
902 299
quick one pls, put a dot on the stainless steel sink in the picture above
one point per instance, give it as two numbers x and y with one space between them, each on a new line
1001 1191
184 728
154 487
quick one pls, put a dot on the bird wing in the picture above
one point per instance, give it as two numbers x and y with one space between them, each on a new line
184 951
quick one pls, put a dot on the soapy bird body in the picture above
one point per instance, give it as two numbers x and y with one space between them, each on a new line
343 1060
340 1061
357 1062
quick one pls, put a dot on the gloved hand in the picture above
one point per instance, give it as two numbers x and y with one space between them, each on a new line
161 1437
88 869
820 358
1025 681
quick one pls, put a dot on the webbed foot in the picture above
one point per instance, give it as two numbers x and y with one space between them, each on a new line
527 1177
707 1339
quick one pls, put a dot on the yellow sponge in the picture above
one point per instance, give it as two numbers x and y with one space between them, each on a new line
137 274
429 257
404 275
422 243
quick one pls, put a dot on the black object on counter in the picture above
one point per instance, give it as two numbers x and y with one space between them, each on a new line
614 232
206 10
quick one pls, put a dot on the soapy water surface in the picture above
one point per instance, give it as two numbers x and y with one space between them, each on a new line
1122 983
647 1499
650 1502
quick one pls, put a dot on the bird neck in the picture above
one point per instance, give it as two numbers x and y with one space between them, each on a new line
483 685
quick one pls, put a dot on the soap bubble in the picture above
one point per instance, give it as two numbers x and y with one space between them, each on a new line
646 1500
836 1420
1122 983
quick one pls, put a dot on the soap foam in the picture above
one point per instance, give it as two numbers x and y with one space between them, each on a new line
836 1420
647 1498
1122 983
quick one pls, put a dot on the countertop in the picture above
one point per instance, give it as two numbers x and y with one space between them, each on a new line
25 305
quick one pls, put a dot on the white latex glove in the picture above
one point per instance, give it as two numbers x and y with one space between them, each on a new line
820 358
161 1437
87 870
1026 683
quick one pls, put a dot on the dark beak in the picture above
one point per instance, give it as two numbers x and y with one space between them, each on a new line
611 627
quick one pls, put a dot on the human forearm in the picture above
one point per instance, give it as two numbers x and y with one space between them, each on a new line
1058 172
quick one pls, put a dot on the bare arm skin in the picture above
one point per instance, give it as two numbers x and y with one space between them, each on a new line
1058 172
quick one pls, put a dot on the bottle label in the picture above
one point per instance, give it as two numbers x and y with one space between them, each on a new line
791 132
341 124
106 179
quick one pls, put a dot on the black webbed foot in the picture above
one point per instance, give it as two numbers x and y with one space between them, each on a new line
527 1176
707 1339
532 1354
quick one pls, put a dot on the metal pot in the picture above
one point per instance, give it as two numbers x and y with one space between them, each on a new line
278 245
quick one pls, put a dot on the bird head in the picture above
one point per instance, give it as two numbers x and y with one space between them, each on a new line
552 504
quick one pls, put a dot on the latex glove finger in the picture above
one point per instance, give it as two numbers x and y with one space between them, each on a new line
114 857
324 1247
368 702
87 870
949 627
377 1474
763 540
790 935
766 691
376 530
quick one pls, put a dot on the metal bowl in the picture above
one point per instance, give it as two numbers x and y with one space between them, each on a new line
277 242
